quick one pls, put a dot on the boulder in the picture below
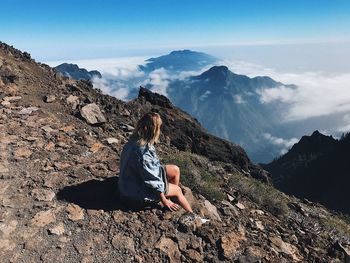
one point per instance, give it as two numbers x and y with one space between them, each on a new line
75 212
211 211
92 114
170 248
43 218
230 244
49 98
43 195
73 101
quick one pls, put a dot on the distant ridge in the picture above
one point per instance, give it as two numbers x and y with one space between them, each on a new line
74 72
179 60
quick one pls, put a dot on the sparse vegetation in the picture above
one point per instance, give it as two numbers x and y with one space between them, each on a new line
267 196
196 176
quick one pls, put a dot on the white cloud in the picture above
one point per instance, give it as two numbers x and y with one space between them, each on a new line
316 94
238 98
159 79
284 144
115 89
204 95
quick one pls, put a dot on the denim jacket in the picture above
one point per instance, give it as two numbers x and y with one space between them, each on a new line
140 175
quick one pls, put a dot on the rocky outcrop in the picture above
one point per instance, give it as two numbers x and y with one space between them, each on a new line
59 181
315 168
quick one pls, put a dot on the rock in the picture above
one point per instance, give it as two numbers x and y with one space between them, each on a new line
189 222
5 103
112 140
230 244
43 218
57 230
27 111
211 211
92 114
259 225
50 98
96 147
230 197
73 101
12 98
240 206
6 245
170 248
43 195
280 246
121 242
61 165
23 152
75 212
194 255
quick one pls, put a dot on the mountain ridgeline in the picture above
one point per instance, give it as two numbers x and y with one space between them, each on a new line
180 60
73 71
316 168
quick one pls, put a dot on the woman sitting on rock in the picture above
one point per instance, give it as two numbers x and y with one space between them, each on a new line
142 178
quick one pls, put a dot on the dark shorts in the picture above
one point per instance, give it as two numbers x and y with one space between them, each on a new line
165 180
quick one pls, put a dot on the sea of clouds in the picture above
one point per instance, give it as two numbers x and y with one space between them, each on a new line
316 94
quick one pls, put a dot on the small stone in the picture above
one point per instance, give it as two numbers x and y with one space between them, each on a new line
23 152
12 98
96 147
259 225
50 98
43 195
61 165
240 206
194 255
43 218
112 140
50 146
57 230
5 103
92 114
75 212
27 111
230 197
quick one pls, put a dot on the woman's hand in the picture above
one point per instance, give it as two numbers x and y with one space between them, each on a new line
171 205
168 203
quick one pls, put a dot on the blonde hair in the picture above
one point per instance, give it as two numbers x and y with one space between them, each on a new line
147 130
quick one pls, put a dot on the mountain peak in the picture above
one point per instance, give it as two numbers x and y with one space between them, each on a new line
179 60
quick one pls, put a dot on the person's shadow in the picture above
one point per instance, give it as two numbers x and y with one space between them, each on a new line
96 194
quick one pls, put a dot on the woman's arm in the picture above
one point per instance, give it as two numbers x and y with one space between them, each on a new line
168 203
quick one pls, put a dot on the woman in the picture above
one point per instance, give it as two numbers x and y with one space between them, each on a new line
142 179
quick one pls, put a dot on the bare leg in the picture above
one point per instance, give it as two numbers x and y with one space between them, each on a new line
173 173
175 191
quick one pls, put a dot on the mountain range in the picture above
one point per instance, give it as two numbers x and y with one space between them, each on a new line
60 146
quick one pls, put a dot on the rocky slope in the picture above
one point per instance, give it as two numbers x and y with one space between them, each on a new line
316 168
60 146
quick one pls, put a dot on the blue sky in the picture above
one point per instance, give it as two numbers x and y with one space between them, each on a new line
78 29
